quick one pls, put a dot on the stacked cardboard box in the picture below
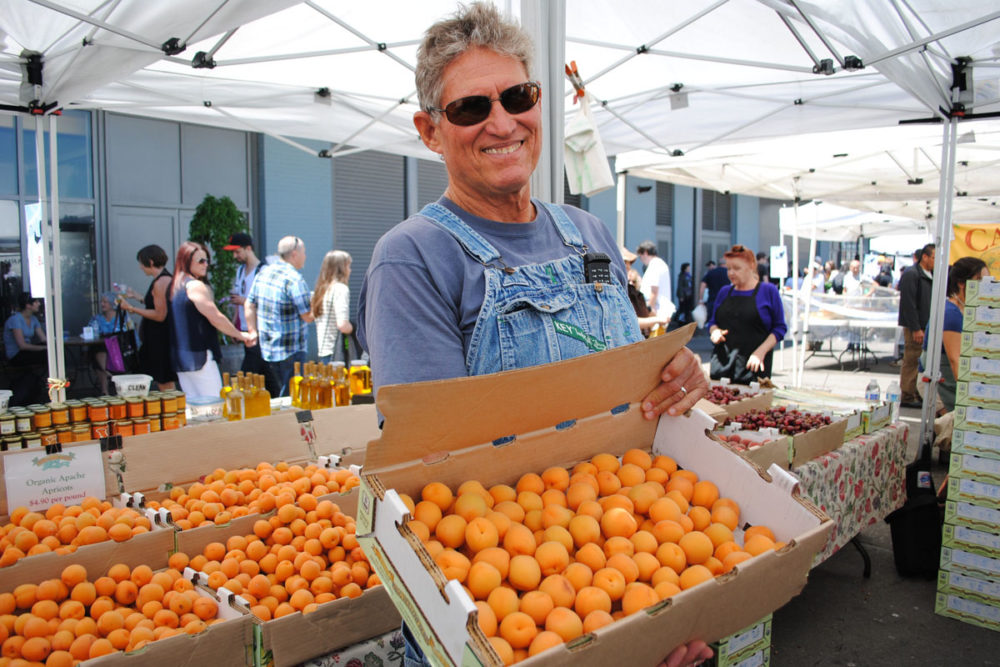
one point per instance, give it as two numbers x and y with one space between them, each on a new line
969 579
749 647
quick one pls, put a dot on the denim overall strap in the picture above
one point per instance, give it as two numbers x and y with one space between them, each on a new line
474 244
567 230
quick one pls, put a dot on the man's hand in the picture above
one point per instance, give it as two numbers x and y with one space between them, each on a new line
918 336
684 382
687 655
236 299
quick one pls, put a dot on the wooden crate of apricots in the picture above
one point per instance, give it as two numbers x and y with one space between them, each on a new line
560 525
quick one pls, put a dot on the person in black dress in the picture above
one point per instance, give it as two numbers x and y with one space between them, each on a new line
154 330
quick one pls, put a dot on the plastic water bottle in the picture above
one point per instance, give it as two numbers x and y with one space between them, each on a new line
892 394
872 393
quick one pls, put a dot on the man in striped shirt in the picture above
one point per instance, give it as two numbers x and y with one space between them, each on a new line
277 310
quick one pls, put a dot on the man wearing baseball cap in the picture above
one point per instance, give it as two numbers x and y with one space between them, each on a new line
241 245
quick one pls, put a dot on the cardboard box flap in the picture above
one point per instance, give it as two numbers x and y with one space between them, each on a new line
426 418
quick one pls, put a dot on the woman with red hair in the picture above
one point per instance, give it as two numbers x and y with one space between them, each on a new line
747 322
195 320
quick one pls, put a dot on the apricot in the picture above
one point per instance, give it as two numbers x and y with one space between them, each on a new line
525 574
495 556
483 578
545 640
503 601
638 596
450 531
697 547
694 575
564 622
618 522
590 598
596 619
559 589
439 494
518 629
537 605
552 558
486 619
481 533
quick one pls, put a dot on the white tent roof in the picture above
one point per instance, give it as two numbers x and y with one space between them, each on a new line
892 171
745 66
836 223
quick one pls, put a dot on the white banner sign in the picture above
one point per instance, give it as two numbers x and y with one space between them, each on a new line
35 249
37 480
779 261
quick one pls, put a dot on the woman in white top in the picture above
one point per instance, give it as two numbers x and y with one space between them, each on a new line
331 302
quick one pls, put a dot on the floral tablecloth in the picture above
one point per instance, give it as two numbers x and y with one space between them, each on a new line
857 485
382 651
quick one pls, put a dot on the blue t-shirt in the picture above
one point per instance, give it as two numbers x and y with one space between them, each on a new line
422 294
769 307
102 327
16 321
952 321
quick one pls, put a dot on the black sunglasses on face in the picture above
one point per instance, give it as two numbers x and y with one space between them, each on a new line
476 108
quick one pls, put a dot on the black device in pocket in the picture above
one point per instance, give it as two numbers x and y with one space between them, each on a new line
597 267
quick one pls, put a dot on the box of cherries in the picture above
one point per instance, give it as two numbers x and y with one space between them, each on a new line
784 435
736 399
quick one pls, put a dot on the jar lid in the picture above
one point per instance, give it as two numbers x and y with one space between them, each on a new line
41 409
74 403
115 401
141 420
46 431
134 399
58 406
124 422
82 429
62 428
34 406
99 403
7 415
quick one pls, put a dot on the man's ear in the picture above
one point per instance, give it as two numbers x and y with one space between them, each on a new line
428 129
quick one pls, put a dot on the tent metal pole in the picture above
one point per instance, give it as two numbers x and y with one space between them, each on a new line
49 290
935 325
80 16
807 305
56 306
620 207
795 293
546 22
920 43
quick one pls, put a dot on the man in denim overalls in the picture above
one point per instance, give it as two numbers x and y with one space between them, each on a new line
487 279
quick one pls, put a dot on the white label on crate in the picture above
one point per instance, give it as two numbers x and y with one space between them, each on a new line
977 513
981 465
984 390
972 607
755 660
975 561
985 340
974 584
741 641
37 480
984 365
969 487
982 416
985 314
977 537
981 440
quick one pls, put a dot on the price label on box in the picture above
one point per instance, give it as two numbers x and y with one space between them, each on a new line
37 480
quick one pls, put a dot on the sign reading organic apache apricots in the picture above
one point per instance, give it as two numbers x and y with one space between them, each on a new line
37 480
977 240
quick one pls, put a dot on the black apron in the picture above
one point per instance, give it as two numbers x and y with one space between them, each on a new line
740 316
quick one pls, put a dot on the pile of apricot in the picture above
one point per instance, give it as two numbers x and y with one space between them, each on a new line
569 551
61 622
64 528
226 494
302 556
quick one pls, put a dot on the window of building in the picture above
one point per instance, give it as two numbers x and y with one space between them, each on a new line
716 211
8 156
75 164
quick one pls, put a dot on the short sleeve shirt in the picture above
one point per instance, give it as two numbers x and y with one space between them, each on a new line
16 321
281 296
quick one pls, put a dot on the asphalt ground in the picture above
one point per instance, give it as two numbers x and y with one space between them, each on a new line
841 617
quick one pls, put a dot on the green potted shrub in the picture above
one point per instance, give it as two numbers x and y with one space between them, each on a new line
214 221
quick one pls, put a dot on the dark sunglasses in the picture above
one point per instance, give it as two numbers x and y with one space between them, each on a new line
476 108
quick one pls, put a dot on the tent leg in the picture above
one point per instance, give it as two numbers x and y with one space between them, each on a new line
935 324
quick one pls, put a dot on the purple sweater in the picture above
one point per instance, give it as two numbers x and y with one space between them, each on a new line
772 313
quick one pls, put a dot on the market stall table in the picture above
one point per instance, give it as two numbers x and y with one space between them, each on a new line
80 357
858 484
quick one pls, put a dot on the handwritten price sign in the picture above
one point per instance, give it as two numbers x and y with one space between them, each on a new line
37 480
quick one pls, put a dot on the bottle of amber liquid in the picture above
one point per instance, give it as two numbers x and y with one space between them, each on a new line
325 392
341 385
308 387
234 401
223 394
293 385
250 401
264 396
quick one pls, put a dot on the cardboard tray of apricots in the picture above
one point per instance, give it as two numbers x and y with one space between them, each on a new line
220 644
496 428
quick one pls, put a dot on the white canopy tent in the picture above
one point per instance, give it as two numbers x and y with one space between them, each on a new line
666 77
828 222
